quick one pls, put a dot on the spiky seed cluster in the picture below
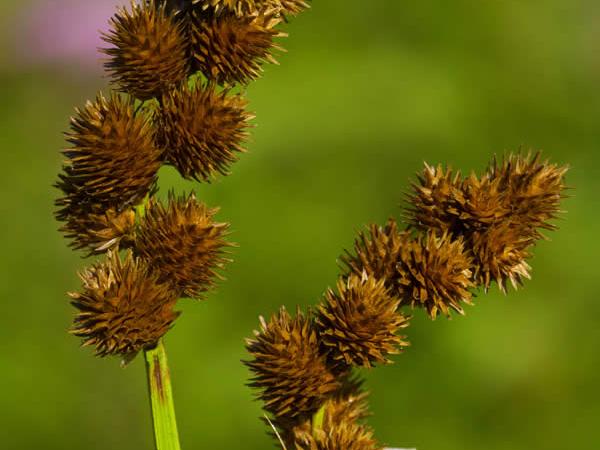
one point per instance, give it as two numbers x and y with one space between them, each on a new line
290 7
228 49
242 8
149 51
183 243
112 162
342 427
498 214
123 307
377 251
434 272
289 369
201 130
100 230
359 322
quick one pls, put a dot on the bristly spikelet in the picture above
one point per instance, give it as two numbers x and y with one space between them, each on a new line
342 428
100 230
201 130
149 51
290 7
358 324
113 161
229 49
289 370
500 254
376 252
434 272
123 307
183 243
242 8
533 188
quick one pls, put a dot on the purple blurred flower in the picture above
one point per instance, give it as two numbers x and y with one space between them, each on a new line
63 32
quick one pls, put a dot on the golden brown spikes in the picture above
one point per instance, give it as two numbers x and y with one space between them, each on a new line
99 230
123 307
342 427
201 130
229 49
500 254
183 243
289 369
358 324
290 7
434 272
533 188
242 8
377 252
149 51
113 161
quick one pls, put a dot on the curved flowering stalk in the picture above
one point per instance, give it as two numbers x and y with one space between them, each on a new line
172 65
462 233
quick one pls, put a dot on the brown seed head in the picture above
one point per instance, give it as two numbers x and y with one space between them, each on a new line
342 428
113 161
289 369
242 8
229 49
183 243
500 254
434 272
201 130
100 230
377 252
123 307
149 51
358 324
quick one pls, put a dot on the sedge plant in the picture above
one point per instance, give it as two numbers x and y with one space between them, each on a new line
174 66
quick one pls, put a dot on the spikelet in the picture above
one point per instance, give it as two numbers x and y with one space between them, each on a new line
148 53
123 307
183 243
201 130
229 49
98 231
359 322
113 161
290 7
434 272
377 252
289 369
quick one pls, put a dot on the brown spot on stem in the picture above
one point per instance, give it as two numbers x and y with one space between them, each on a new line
158 381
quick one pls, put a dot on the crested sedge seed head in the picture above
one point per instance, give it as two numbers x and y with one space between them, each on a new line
183 243
500 254
289 370
342 427
229 49
359 323
149 50
434 272
113 161
201 130
123 306
98 231
376 252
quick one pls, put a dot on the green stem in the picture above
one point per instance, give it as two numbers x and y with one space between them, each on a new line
161 399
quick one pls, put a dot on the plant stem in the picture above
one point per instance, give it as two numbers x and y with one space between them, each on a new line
161 399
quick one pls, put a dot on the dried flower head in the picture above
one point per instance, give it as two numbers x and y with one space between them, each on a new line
149 50
434 272
229 49
113 161
123 307
183 243
289 369
359 322
100 230
500 254
533 188
342 428
377 252
201 130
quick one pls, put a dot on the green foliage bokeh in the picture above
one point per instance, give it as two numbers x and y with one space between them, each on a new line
365 94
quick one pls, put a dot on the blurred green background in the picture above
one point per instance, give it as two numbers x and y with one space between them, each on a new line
365 94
